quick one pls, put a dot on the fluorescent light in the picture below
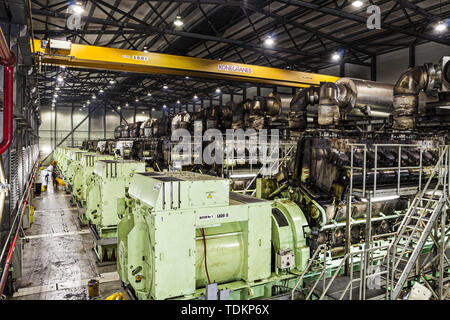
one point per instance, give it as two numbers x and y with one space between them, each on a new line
178 22
269 41
243 175
384 198
440 26
357 3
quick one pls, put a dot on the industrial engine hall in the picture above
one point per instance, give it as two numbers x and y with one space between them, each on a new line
255 154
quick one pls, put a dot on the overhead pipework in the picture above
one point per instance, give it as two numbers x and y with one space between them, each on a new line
428 77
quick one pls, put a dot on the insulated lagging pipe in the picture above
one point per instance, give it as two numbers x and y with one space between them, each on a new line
406 96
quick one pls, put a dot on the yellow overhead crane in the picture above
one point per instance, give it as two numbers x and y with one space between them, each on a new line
57 52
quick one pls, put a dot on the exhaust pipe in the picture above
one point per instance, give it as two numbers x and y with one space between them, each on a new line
406 94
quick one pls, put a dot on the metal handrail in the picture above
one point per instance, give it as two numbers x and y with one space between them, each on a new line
308 266
419 197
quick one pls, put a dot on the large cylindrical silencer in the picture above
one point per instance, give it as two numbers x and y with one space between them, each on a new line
366 98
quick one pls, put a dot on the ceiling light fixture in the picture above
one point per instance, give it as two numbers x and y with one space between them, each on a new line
269 41
165 87
336 56
218 90
112 81
164 106
60 79
77 8
149 94
195 96
178 101
357 3
178 22
440 26
101 91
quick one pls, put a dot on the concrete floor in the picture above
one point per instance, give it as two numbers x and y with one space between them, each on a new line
58 260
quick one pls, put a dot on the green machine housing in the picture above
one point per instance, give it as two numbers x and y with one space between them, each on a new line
74 166
171 221
83 177
104 195
64 158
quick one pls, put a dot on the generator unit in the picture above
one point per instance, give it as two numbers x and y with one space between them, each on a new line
74 166
64 158
109 183
83 177
184 235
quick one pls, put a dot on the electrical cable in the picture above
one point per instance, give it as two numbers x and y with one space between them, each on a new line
204 249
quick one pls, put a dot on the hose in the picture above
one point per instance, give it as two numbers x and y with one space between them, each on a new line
204 249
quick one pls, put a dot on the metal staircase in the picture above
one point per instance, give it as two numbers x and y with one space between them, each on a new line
416 227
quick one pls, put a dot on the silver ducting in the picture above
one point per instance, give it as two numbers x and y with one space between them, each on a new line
328 111
181 120
146 128
406 96
359 97
298 105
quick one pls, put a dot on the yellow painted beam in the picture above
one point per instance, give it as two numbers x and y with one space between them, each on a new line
106 58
